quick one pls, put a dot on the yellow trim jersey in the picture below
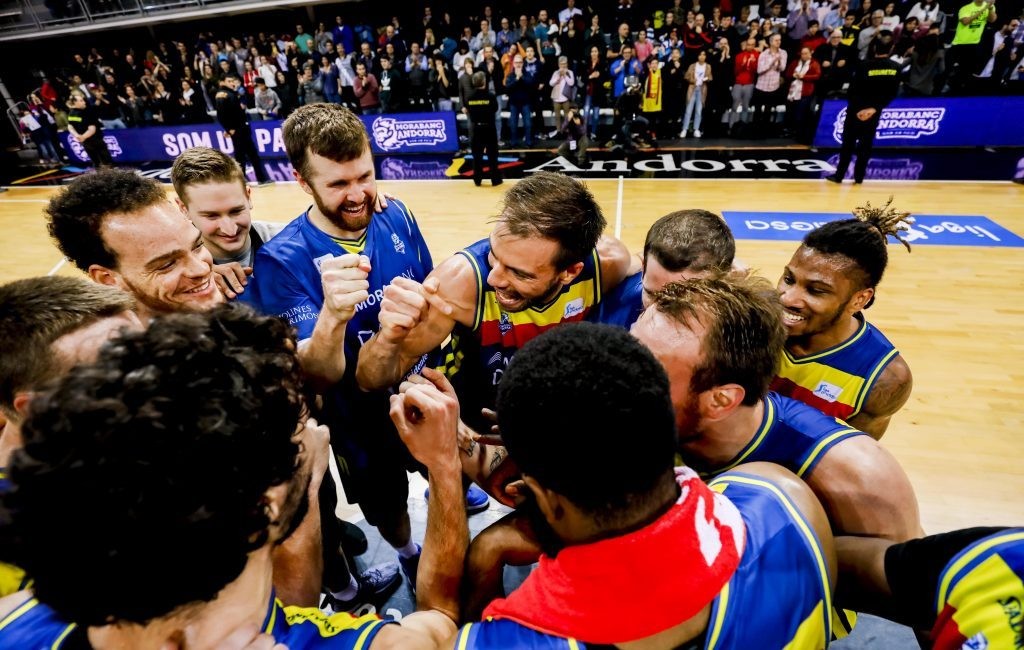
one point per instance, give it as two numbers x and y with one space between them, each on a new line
34 626
489 345
837 381
980 599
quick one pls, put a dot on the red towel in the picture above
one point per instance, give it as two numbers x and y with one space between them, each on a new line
631 587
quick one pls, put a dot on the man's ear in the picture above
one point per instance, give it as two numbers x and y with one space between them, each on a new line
181 205
720 402
861 299
103 275
550 503
21 402
569 274
302 182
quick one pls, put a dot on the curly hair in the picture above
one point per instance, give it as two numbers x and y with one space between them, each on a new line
745 335
599 385
76 214
140 488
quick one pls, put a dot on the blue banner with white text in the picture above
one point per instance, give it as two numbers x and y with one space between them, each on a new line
927 229
399 133
934 122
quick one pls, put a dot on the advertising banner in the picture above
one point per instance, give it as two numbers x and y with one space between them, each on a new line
928 229
401 133
934 122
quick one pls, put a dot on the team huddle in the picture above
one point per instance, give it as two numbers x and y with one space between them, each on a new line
691 455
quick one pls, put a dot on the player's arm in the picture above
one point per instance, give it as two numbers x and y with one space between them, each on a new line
426 415
615 262
890 392
322 355
866 492
416 318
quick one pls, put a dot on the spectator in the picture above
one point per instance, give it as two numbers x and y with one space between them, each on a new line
594 37
391 90
268 71
630 125
286 92
802 74
673 94
890 19
163 106
642 47
136 108
836 18
596 96
696 38
108 112
719 96
462 55
621 40
267 101
571 42
417 84
547 35
745 71
367 90
302 40
798 21
367 58
651 102
415 59
928 13
311 86
768 94
836 61
495 74
814 38
323 38
466 81
563 90
443 84
330 79
504 38
521 89
622 67
966 50
193 109
485 38
37 133
569 13
698 75
867 34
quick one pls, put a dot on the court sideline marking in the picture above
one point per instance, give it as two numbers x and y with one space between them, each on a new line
618 212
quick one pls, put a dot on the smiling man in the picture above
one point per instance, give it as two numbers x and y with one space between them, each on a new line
213 194
120 229
834 359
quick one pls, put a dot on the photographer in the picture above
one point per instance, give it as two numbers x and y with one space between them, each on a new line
576 141
631 127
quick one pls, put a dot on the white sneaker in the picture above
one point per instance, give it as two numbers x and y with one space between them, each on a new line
682 134
696 134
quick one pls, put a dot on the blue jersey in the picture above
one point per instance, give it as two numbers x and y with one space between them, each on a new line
791 434
623 304
34 626
286 282
779 597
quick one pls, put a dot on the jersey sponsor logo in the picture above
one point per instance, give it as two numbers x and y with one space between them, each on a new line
298 314
1014 618
399 244
319 261
504 324
573 308
392 134
904 123
828 392
977 642
377 295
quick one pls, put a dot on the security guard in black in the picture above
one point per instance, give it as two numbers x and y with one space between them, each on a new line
874 86
481 105
81 120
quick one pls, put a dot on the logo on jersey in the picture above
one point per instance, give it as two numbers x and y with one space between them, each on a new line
912 123
977 642
573 308
399 244
828 392
319 261
504 324
391 134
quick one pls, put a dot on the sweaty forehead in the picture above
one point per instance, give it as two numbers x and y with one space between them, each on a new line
815 265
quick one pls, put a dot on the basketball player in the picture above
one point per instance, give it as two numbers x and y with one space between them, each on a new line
325 273
51 324
120 230
215 497
720 340
544 264
213 194
681 245
961 589
635 551
834 360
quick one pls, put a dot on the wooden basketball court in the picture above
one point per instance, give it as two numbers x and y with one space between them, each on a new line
956 313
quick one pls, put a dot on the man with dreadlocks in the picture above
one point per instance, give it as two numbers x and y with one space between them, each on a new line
834 359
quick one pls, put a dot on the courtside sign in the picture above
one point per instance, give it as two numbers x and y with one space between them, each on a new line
928 229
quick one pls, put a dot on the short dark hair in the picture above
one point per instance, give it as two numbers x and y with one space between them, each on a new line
744 335
34 313
625 392
328 130
554 206
75 216
695 240
479 80
201 165
880 46
157 459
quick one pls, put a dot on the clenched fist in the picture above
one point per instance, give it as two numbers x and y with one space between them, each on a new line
345 284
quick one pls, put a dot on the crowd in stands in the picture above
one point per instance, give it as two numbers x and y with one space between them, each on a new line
696 67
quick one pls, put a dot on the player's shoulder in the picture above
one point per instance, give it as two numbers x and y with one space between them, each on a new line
892 388
801 417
